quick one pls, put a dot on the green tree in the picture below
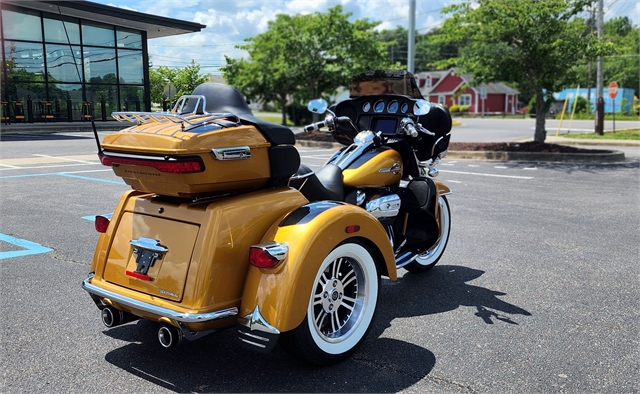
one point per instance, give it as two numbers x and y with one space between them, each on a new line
305 56
185 80
532 43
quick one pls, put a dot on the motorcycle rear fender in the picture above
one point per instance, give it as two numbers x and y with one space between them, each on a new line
282 294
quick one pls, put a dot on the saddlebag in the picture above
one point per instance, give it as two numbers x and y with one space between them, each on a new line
419 205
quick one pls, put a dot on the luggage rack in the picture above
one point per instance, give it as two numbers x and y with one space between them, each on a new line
177 115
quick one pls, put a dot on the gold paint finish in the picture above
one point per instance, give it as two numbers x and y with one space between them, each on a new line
283 293
366 172
220 176
208 246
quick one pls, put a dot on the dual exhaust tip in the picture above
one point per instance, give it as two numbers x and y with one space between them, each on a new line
168 336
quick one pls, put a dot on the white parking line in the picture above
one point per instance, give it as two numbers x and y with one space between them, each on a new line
490 175
52 166
63 158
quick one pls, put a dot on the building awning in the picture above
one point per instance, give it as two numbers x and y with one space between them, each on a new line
155 26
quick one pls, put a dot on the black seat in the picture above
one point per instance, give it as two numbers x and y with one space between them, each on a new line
225 98
325 184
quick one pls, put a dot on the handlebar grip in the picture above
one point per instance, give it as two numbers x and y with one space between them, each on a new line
314 127
411 130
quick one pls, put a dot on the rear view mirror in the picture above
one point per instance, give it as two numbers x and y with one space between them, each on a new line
317 106
421 107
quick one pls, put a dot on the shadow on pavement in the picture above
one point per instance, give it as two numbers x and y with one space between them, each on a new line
217 363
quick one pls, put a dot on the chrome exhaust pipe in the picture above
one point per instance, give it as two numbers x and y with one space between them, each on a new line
111 317
169 336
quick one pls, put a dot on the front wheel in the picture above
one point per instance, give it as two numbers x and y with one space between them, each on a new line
428 259
341 307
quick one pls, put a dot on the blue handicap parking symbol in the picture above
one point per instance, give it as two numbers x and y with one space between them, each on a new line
28 247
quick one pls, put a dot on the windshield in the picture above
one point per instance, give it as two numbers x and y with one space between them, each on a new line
398 82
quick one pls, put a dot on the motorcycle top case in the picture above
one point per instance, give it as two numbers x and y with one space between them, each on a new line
208 159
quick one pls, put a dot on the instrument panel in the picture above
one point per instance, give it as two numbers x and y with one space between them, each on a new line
377 113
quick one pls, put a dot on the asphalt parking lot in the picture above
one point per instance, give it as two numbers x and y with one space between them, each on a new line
537 291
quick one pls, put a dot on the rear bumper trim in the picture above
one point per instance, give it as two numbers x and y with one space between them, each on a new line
156 310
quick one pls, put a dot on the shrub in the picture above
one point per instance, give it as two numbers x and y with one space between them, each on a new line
299 114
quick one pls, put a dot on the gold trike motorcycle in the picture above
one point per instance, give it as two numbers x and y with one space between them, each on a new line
225 228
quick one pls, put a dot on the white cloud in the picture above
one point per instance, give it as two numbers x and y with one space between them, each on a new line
229 22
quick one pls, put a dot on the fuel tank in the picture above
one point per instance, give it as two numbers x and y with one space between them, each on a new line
378 167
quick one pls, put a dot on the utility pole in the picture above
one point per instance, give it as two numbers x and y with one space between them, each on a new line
599 84
412 36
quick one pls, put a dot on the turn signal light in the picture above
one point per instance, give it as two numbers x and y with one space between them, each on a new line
183 166
102 223
268 255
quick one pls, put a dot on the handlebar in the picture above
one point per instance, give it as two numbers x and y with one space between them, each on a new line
411 128
315 126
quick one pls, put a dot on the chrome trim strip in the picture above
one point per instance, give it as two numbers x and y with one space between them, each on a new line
149 244
157 310
232 153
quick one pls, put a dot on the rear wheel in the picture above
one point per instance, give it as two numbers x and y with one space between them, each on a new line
428 259
341 307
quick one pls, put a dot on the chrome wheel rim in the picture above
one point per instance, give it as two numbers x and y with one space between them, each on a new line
338 300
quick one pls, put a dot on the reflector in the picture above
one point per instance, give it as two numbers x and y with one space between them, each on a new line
352 229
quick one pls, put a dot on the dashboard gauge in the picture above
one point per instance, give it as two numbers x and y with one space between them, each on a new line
404 108
392 108
366 106
378 106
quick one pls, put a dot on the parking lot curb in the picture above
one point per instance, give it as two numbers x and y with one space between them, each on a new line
609 157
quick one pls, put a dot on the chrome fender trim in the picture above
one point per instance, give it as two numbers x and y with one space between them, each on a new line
256 334
157 310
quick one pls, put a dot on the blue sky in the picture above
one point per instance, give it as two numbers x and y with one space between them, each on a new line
229 22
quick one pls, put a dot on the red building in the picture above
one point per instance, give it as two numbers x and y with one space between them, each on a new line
449 88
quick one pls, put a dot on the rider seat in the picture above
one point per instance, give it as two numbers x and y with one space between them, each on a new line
325 184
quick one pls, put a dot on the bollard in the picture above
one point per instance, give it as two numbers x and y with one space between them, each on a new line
600 116
69 109
29 109
104 109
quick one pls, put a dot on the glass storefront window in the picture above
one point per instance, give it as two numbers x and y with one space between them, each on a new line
98 35
131 97
25 61
128 39
64 63
130 66
99 65
21 26
100 95
57 31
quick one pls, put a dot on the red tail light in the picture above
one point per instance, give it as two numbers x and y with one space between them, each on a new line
177 166
268 255
102 223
